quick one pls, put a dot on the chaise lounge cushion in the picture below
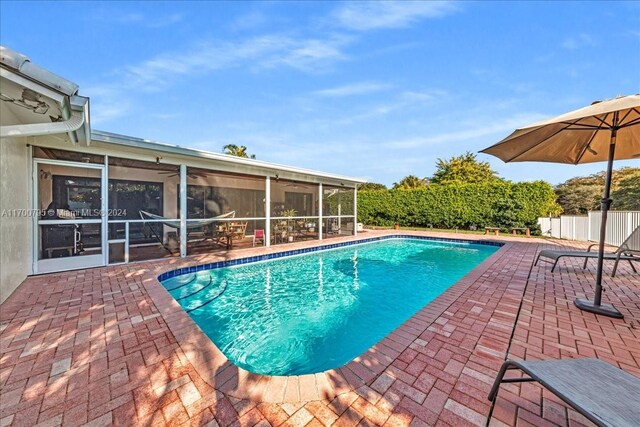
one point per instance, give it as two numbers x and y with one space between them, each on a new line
606 395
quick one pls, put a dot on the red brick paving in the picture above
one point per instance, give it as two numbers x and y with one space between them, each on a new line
105 347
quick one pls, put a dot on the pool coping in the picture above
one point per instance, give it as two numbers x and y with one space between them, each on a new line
323 247
214 368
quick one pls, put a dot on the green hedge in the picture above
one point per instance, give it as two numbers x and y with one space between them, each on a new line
497 204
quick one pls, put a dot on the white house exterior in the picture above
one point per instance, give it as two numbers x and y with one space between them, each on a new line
75 198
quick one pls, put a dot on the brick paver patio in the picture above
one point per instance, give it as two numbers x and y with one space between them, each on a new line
108 346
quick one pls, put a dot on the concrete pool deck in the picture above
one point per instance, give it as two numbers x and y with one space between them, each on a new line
110 346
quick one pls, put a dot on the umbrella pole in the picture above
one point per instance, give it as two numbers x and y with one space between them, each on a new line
596 306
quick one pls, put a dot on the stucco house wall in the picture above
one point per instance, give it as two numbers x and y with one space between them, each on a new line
15 223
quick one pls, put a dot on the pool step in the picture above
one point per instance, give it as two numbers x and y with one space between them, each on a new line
224 288
189 279
199 290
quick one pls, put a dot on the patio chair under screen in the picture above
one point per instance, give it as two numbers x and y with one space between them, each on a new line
258 234
175 223
240 230
629 250
604 394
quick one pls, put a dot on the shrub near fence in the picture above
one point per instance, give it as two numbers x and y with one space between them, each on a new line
497 204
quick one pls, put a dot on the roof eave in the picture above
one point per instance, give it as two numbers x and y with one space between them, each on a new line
112 138
21 64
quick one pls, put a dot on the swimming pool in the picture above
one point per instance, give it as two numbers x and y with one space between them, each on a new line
305 314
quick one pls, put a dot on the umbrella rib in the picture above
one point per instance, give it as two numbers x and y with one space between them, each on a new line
603 121
586 147
506 140
572 124
583 126
631 123
626 115
550 136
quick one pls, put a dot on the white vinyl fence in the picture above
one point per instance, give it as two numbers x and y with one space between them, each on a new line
587 227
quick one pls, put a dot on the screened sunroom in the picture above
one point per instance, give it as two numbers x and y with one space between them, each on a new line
73 197
124 199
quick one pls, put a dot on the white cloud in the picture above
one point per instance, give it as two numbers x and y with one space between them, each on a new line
136 18
422 96
386 99
105 110
165 21
374 15
579 41
106 103
360 88
461 134
271 51
412 150
128 18
165 116
308 55
250 21
311 55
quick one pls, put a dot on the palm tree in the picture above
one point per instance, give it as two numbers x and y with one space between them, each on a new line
237 150
410 182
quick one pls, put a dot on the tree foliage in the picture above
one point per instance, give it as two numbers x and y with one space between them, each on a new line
463 169
237 150
627 195
581 194
410 182
497 204
372 186
579 199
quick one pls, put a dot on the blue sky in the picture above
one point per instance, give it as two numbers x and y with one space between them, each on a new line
376 90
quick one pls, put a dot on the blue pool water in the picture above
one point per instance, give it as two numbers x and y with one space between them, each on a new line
318 311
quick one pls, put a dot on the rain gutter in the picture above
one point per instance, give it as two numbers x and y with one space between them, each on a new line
75 109
158 147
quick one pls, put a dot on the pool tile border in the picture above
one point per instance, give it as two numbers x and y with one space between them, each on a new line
275 255
213 366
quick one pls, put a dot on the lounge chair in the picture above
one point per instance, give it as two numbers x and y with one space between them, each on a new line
175 223
629 250
604 394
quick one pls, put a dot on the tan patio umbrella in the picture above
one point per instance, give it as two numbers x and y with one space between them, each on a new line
604 131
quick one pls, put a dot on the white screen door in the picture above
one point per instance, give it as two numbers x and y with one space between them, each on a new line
70 226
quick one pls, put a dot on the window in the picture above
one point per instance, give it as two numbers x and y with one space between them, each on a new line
206 202
301 202
80 195
127 199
